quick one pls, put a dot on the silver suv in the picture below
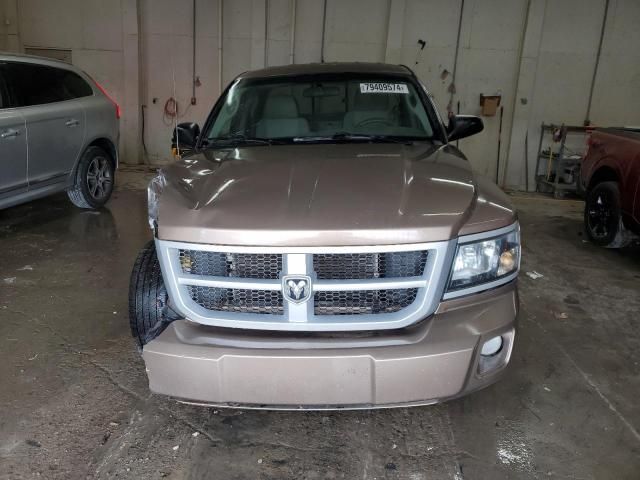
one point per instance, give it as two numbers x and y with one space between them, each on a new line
58 131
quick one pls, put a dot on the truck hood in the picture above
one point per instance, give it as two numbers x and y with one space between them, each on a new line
326 195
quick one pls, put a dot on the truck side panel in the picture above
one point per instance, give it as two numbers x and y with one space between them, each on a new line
615 155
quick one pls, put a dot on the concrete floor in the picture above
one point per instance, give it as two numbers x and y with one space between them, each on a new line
74 401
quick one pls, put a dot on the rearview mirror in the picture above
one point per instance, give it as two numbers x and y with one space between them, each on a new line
319 91
462 126
185 136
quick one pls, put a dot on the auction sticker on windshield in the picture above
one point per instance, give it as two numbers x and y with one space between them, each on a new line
384 88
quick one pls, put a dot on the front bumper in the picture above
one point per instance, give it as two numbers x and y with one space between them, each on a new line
435 360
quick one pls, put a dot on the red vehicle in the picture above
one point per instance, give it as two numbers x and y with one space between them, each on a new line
610 175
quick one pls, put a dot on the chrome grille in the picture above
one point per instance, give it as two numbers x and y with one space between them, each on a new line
352 266
352 288
361 302
237 300
239 265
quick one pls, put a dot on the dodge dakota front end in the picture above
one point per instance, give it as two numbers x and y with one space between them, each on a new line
321 243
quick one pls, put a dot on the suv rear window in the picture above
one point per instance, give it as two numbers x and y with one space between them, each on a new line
39 84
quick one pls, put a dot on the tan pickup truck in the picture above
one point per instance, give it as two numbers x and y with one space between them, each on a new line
321 243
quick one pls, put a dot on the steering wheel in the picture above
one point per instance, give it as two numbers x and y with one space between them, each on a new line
374 121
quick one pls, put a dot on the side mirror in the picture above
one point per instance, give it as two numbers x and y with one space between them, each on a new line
185 136
462 126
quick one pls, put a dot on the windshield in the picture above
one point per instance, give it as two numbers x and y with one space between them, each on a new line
305 109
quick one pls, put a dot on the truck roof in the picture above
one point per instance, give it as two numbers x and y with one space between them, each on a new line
334 67
628 132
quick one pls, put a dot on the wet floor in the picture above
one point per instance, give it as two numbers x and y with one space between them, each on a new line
74 402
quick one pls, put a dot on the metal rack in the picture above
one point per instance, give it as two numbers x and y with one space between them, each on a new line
560 172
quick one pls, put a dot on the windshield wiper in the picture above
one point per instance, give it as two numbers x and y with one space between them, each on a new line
347 137
372 138
239 139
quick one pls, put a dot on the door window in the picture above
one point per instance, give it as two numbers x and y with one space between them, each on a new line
38 84
4 90
4 97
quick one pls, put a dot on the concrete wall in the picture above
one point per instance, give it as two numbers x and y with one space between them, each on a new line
9 40
538 54
167 67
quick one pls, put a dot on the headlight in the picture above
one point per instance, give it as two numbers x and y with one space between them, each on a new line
156 185
486 260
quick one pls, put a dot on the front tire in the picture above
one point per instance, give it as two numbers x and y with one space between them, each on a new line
94 179
603 216
149 313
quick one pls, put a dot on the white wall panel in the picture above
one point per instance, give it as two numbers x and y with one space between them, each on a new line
237 41
101 25
435 22
167 30
279 32
565 57
488 64
308 41
356 30
616 99
44 23
9 40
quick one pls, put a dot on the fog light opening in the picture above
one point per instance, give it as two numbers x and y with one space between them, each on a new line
491 347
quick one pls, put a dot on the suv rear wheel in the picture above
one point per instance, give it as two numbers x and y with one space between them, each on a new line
602 216
94 179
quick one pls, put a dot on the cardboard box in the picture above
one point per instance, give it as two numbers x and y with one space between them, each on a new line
489 104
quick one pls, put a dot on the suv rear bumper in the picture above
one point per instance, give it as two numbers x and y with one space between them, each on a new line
436 360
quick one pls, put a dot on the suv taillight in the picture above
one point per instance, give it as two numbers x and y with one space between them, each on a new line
115 104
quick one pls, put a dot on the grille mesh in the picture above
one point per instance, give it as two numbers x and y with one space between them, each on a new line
354 266
333 266
237 300
239 265
359 302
